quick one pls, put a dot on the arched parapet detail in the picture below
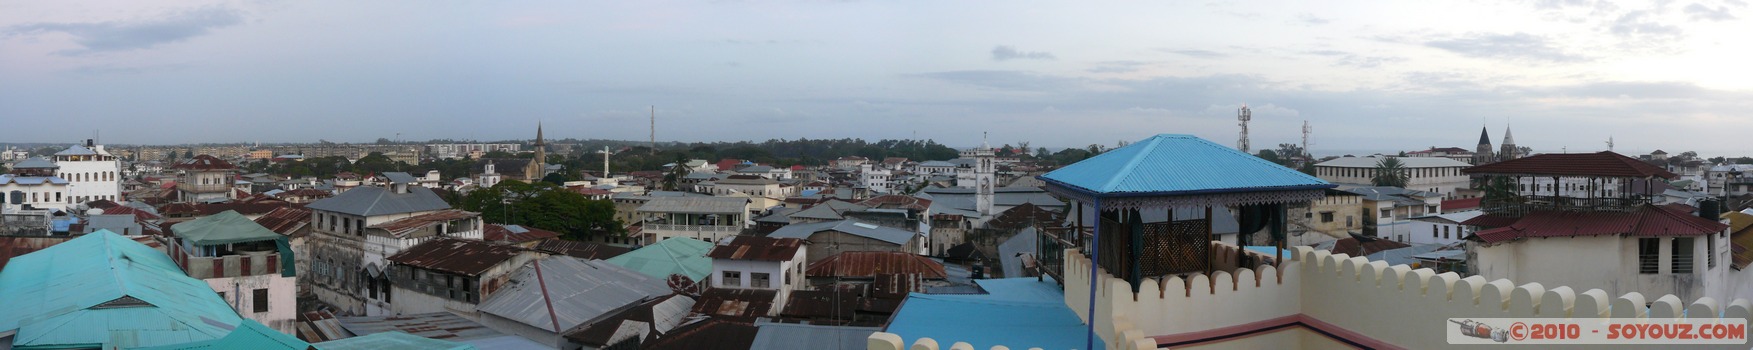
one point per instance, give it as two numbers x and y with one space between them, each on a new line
1467 290
1668 306
1703 308
1740 308
1525 300
1630 305
1592 303
1495 295
1557 302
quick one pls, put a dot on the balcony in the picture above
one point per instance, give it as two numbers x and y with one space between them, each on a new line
692 228
239 264
203 188
1518 206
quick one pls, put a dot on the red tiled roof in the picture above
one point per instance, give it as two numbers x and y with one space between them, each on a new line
870 264
500 233
757 248
1647 221
1461 204
1606 164
457 256
204 162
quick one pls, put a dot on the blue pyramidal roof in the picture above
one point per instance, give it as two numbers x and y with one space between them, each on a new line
1171 164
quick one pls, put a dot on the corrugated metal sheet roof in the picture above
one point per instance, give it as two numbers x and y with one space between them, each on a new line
224 228
757 248
391 341
828 210
439 325
459 256
205 163
35 163
784 336
1604 163
76 150
736 302
870 264
1646 221
649 320
579 290
285 220
396 177
516 233
401 227
677 255
1171 164
719 332
581 250
848 226
1408 162
31 180
248 335
711 205
54 296
374 201
14 246
1740 238
1018 313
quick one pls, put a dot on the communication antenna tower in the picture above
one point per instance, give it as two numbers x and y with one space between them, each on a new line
1244 116
1307 156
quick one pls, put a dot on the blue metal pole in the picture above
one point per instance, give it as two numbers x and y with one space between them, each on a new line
1095 245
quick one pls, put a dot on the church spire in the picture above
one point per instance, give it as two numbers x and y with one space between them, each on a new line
538 134
1484 138
1507 139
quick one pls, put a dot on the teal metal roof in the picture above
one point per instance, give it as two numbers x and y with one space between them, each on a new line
1018 313
391 341
677 255
224 228
102 289
248 335
1171 164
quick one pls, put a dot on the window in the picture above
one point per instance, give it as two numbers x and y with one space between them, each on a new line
1348 220
1327 216
1709 252
1387 212
1433 232
731 278
1649 252
1446 232
260 300
1681 255
760 280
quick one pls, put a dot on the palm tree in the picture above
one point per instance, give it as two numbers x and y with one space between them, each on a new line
1390 172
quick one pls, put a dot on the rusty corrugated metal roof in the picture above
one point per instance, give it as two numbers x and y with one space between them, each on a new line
871 264
757 248
458 256
204 162
736 302
402 226
581 250
12 246
718 333
286 220
516 233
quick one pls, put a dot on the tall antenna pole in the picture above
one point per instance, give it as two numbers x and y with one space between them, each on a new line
1244 116
654 130
1307 156
1609 143
605 162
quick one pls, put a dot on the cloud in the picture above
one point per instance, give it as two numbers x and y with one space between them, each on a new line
1517 46
1356 60
1006 53
1700 12
138 34
1641 24
1195 53
1000 79
1118 66
1310 19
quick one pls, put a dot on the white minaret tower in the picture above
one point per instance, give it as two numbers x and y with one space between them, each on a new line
1244 115
984 171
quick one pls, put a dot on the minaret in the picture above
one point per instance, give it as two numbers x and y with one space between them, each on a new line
1482 153
534 171
1509 146
984 172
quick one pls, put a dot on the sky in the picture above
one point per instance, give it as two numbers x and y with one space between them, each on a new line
1565 75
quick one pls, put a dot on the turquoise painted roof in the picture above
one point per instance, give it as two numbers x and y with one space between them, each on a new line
102 289
677 255
224 228
1170 164
248 335
1018 313
391 341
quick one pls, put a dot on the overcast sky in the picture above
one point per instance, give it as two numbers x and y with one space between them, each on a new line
1566 75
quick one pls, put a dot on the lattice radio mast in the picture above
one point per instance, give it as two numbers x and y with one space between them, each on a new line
1244 116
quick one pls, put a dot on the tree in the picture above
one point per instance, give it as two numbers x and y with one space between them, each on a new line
1287 151
1390 172
383 141
498 154
190 153
1269 156
375 163
1041 153
545 206
673 178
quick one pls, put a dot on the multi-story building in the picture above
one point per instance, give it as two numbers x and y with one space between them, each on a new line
876 179
354 231
1428 174
761 263
33 183
449 275
250 266
204 178
473 150
1334 217
703 218
93 173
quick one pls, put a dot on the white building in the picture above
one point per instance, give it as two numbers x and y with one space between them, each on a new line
703 218
1429 174
1441 228
204 178
874 178
749 262
33 182
94 173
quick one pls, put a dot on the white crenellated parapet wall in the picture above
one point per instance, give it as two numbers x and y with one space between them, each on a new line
1369 303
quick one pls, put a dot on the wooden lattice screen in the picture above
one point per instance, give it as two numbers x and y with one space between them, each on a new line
1175 247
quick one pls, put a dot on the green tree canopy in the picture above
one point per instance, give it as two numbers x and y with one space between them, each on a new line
1390 172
